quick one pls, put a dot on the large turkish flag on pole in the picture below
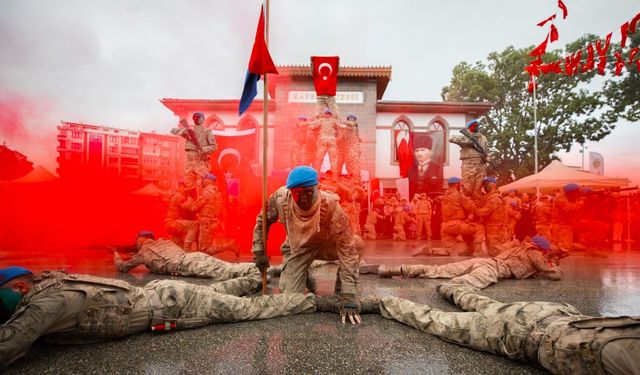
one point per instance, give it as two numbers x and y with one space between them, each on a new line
325 74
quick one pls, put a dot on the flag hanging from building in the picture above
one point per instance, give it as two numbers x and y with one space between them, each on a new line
325 74
596 163
260 64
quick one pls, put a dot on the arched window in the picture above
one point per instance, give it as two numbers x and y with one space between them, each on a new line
214 122
438 129
247 123
400 134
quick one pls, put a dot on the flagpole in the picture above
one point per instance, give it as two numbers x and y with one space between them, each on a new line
535 136
265 134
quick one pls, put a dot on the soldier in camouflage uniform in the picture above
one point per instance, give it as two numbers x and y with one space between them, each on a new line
370 226
490 208
474 163
424 210
549 335
199 146
543 216
520 262
180 222
209 209
456 208
563 211
163 257
78 309
298 146
327 125
348 145
316 228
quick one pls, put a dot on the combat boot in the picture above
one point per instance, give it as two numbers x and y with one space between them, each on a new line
328 303
369 268
311 284
370 305
425 250
384 271
449 289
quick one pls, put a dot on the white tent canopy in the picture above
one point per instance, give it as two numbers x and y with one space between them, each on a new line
150 190
556 175
38 174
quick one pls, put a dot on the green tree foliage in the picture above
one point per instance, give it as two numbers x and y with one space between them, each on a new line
567 110
623 93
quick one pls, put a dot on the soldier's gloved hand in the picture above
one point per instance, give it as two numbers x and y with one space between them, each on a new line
350 306
261 261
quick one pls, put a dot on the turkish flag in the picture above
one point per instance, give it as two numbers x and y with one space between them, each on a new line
325 74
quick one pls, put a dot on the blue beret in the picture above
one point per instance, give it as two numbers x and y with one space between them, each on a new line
302 176
302 117
587 189
471 123
541 242
181 181
198 114
10 273
568 188
327 110
209 176
454 180
146 234
513 204
490 179
352 117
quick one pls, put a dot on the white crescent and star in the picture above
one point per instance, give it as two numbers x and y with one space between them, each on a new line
324 77
230 151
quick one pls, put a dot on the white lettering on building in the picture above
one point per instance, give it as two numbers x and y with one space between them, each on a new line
343 97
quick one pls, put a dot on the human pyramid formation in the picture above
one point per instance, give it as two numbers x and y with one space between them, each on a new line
555 336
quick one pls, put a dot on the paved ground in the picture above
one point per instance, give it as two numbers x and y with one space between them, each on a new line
318 343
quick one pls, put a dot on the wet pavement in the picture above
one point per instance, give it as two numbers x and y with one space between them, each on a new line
596 284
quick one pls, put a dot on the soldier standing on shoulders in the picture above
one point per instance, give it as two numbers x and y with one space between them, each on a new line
199 146
474 157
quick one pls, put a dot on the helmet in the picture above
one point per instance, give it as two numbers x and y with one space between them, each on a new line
453 180
198 114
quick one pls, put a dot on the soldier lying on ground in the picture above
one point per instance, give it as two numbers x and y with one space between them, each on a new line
164 257
553 336
78 309
520 262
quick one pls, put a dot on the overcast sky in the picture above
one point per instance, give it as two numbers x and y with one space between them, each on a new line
109 62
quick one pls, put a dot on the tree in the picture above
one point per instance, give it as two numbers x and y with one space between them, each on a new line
567 112
623 93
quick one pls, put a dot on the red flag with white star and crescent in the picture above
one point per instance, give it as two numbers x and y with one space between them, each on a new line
325 74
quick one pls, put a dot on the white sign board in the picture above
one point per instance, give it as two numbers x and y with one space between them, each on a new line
342 97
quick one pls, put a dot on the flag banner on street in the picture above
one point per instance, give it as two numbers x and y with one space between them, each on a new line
260 63
325 74
596 163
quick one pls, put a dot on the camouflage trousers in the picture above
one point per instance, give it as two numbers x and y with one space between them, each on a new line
182 231
203 265
205 236
327 145
470 232
194 169
477 272
349 156
353 213
486 325
495 236
327 101
370 232
298 154
473 171
296 265
591 232
191 306
423 220
399 233
562 236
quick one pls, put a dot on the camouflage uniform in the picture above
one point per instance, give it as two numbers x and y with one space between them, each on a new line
163 257
543 218
81 308
328 238
554 336
519 262
326 143
350 193
512 215
455 209
473 165
311 143
400 219
423 209
562 215
180 223
327 101
348 146
197 165
209 208
491 209
370 226
298 146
